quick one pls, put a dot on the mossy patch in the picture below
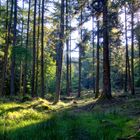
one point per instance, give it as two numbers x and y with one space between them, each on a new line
39 119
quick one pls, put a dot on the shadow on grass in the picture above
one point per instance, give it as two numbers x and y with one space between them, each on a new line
67 126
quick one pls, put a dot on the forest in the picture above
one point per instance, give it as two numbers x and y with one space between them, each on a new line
70 69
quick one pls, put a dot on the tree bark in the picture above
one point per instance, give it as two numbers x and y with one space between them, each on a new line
80 61
93 53
33 93
70 63
42 53
67 52
37 51
132 54
20 79
59 55
27 43
21 65
127 63
106 62
13 59
97 60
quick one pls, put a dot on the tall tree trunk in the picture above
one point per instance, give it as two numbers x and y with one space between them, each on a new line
42 53
70 59
97 60
27 43
37 51
67 52
12 82
70 63
21 69
126 58
8 27
33 93
59 54
127 63
106 63
93 52
80 61
132 54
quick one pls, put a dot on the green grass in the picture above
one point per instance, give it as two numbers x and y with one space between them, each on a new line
37 120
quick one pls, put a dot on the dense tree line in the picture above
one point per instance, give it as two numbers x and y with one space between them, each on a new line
37 44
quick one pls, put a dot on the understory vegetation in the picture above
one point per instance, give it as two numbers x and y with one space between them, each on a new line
39 119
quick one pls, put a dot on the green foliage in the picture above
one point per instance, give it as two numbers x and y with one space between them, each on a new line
50 69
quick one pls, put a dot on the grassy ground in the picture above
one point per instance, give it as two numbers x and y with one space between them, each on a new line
72 119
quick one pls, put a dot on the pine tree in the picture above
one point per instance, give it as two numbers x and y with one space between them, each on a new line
33 92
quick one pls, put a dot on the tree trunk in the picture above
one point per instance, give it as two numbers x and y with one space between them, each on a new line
132 54
97 60
33 93
20 79
80 57
13 59
67 52
93 53
127 64
59 55
42 53
70 59
70 63
37 51
21 69
27 43
106 62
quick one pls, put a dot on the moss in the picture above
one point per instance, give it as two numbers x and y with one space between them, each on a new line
43 107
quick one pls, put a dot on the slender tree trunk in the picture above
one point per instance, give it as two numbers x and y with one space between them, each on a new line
132 54
93 53
37 53
127 64
33 93
97 60
80 62
70 66
21 69
60 54
27 43
70 59
8 26
20 79
106 63
42 53
12 84
67 52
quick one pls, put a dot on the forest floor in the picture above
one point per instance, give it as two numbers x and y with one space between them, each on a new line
71 119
